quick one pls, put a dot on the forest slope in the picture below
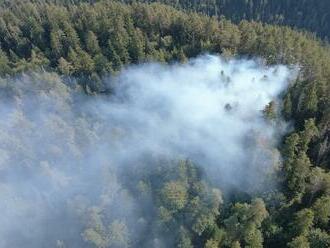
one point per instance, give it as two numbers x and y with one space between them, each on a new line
311 15
89 41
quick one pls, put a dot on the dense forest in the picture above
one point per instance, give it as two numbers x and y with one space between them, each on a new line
310 15
90 41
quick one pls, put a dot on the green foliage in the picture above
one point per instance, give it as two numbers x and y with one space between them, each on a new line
319 238
322 210
299 242
186 207
270 111
244 223
310 15
174 195
235 244
302 222
211 243
64 66
184 240
115 235
4 64
88 40
92 43
298 171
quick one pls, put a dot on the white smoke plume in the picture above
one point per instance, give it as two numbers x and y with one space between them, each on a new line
61 151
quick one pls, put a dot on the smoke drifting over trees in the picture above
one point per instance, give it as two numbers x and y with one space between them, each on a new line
80 170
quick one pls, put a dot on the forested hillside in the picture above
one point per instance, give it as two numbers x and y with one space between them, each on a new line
88 42
311 15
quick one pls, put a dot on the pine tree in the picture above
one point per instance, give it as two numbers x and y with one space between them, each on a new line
92 44
64 66
56 37
4 64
